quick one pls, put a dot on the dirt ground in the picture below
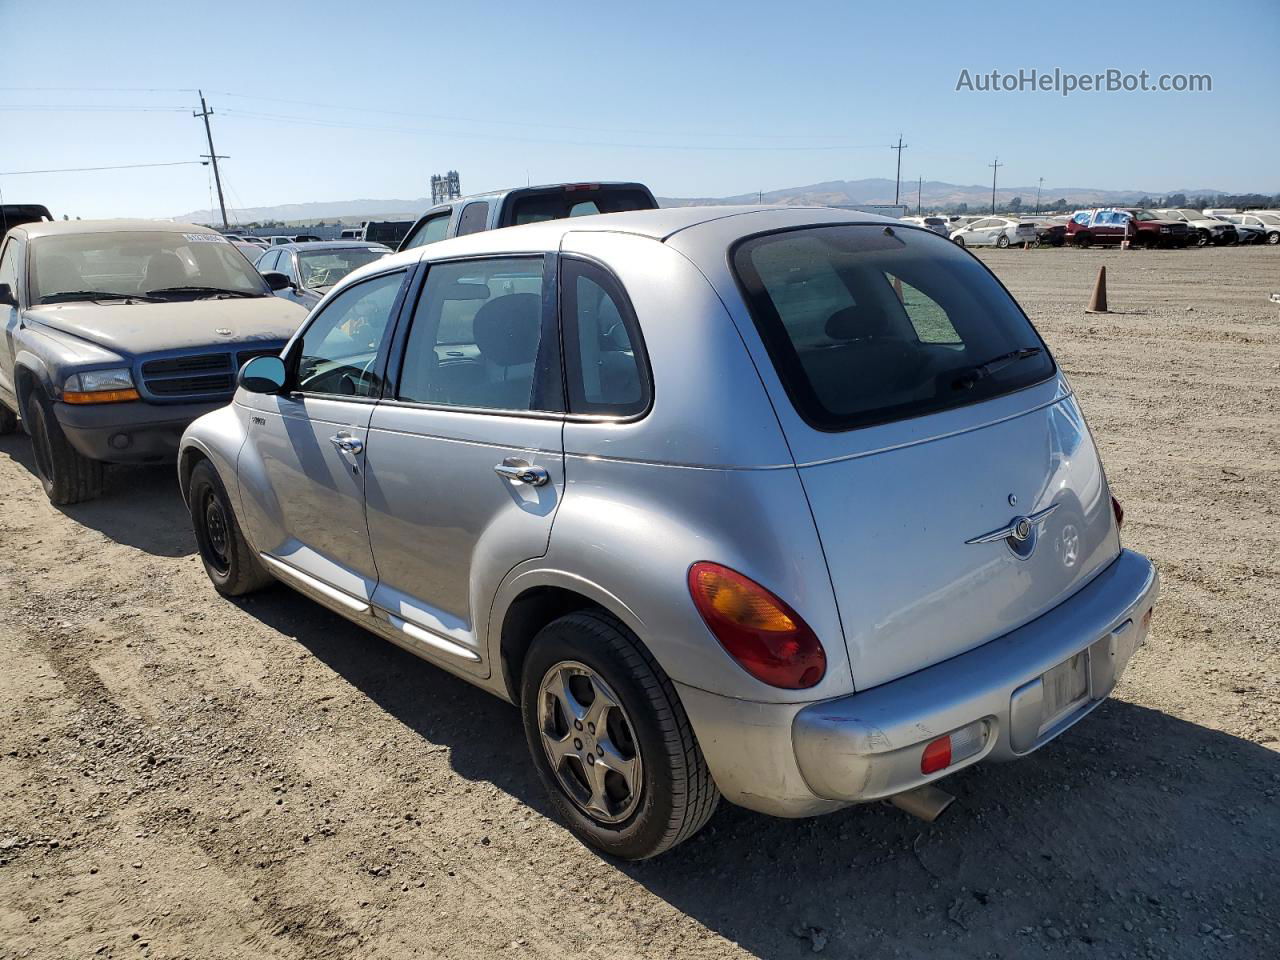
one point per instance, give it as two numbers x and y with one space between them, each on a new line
183 776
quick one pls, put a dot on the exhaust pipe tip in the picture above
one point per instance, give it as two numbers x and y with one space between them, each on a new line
927 803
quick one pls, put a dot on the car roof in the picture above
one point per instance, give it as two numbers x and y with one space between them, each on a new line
63 227
709 227
333 245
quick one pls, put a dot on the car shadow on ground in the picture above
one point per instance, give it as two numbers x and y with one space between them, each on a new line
1134 832
140 506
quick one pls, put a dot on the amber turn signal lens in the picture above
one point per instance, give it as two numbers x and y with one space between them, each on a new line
764 635
99 396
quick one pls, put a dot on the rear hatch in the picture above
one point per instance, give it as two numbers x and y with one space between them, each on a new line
930 421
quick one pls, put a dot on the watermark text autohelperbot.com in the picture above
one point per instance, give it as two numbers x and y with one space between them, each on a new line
1066 83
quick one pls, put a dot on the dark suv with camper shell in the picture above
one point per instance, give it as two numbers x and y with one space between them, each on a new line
510 208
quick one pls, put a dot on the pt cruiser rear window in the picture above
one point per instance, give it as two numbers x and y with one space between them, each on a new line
870 324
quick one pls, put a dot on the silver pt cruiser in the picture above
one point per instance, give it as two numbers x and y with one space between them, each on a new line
791 506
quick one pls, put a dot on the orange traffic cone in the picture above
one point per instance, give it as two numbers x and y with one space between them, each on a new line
1098 302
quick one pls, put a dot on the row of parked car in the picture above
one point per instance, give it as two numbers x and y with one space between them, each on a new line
1169 227
665 479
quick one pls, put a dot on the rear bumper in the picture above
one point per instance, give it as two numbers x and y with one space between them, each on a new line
797 760
128 432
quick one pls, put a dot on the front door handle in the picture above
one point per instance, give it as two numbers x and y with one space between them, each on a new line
347 443
522 472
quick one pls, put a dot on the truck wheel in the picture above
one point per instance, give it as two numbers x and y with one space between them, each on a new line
1085 240
610 739
8 420
65 473
228 559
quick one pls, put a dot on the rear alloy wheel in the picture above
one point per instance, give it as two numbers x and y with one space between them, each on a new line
228 559
610 739
67 475
1003 241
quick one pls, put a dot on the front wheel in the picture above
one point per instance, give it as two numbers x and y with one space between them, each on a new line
959 241
610 739
1273 238
67 475
228 559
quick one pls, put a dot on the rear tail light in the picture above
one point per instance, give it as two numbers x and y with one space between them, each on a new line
1118 511
764 635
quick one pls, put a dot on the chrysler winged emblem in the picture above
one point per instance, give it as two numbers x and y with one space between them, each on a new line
1019 530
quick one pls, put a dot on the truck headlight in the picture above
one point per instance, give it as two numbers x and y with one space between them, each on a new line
99 386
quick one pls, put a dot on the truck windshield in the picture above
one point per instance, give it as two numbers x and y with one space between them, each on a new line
151 263
867 324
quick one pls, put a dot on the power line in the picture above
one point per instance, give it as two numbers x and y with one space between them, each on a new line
122 166
337 124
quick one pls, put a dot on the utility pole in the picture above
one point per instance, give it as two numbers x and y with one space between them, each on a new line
919 188
213 157
995 168
1038 188
898 182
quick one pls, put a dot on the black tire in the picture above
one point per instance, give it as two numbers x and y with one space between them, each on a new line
228 559
8 420
1003 241
1202 238
67 475
677 796
1273 237
959 241
1085 240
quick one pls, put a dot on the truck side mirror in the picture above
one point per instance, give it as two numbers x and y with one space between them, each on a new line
7 297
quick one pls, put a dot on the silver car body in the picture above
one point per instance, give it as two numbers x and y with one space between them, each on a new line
866 533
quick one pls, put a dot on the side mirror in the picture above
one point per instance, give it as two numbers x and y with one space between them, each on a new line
276 280
263 375
7 297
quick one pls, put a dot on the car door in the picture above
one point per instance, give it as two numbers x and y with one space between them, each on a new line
983 233
301 469
465 460
10 258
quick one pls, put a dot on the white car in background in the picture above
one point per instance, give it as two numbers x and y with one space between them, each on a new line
994 232
1207 230
1268 223
938 225
1246 232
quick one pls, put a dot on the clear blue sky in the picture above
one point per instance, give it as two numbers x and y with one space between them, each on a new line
695 99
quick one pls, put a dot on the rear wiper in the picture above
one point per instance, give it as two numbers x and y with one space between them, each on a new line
211 291
93 295
971 376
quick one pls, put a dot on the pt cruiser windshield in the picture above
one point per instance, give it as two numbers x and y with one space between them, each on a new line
139 265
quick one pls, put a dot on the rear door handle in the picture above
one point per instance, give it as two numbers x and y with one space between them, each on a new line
521 472
348 443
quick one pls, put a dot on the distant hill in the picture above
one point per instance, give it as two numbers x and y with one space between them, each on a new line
933 193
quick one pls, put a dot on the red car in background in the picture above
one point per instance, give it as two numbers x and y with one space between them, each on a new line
1112 225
